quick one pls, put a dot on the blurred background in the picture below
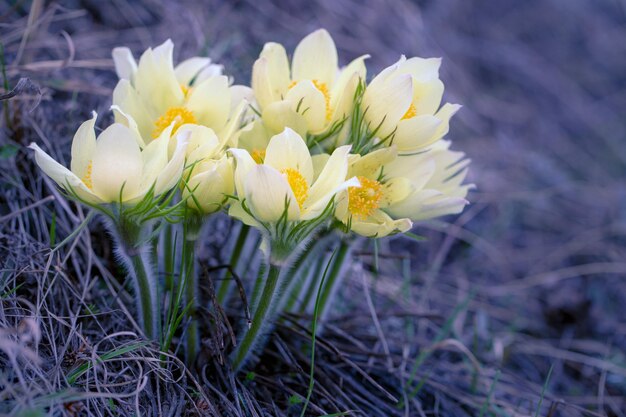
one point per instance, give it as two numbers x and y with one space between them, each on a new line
541 250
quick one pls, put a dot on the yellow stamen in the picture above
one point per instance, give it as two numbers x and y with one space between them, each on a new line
258 155
180 115
364 200
322 88
411 112
298 185
86 179
186 89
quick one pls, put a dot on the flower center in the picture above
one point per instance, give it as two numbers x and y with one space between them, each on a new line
180 115
363 200
322 88
411 112
86 179
258 155
298 185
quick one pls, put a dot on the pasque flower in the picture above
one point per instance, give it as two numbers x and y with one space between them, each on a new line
310 95
398 189
156 94
402 104
113 167
284 184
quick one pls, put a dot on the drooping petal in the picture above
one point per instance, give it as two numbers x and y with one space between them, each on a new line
117 164
237 211
63 176
315 58
288 150
125 64
83 147
187 70
379 224
268 194
210 102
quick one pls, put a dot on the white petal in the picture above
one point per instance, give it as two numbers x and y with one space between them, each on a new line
171 174
245 163
421 69
416 133
379 224
62 176
155 158
270 74
310 102
126 105
210 71
333 174
117 163
210 102
187 70
267 194
427 96
385 106
236 210
83 147
125 65
281 114
210 187
288 150
155 81
315 58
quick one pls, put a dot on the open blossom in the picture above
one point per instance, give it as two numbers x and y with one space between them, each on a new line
286 181
310 95
113 167
402 104
398 189
156 94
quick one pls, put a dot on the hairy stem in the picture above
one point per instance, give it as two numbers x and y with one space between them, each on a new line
226 284
146 290
262 315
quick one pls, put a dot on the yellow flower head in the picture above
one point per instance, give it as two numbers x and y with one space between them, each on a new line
312 93
114 164
402 104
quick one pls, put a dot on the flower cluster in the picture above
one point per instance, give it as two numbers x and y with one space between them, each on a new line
309 150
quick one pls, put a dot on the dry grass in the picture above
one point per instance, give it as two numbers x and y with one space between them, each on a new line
528 282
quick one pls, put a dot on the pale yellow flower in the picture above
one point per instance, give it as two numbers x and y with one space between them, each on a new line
113 167
210 175
313 93
156 94
398 189
286 181
402 104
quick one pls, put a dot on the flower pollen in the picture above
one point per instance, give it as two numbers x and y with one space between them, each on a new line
86 179
298 185
179 115
258 155
411 112
364 200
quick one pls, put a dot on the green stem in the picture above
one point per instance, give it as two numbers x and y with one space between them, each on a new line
294 288
144 291
191 300
261 317
313 284
334 276
226 284
168 253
